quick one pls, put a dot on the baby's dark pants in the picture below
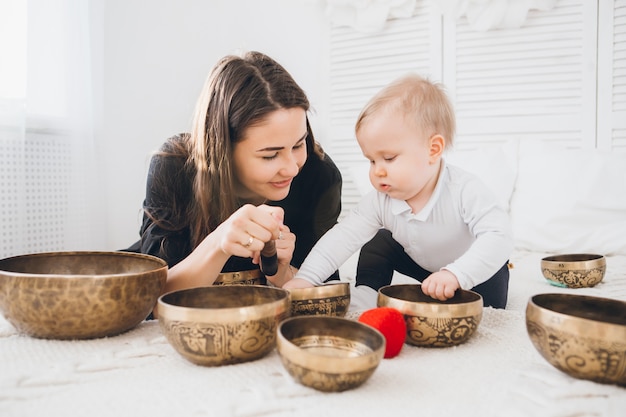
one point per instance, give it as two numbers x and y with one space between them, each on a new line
382 255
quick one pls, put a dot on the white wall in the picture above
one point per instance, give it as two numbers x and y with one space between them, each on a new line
156 56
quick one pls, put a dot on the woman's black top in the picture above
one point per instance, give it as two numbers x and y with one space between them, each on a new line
311 208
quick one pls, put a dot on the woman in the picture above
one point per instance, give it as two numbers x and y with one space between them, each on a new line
249 172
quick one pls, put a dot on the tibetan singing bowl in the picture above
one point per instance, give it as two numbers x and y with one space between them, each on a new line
220 325
574 270
327 353
430 322
79 295
251 277
583 336
332 299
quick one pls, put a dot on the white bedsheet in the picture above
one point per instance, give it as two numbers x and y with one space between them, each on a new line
496 373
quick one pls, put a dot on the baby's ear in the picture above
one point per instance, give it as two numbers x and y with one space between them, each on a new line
437 146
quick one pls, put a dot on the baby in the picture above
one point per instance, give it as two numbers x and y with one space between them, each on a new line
447 227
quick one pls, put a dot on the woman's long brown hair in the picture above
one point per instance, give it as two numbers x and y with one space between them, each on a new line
239 92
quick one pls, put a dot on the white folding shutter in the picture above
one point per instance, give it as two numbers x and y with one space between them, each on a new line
536 82
612 75
361 64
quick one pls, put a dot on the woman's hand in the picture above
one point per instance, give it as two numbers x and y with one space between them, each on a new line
245 232
440 285
249 228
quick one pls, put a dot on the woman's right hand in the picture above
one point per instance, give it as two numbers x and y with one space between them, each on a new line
245 232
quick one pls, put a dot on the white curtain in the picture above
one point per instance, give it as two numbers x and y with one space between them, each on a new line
370 16
48 170
367 16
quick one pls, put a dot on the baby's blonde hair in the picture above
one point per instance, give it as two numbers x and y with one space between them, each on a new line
423 102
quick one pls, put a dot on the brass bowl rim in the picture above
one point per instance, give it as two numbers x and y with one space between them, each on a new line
573 261
237 276
8 273
173 312
585 327
338 289
431 307
326 363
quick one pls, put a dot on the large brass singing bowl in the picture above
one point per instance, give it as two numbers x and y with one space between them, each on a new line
79 295
430 322
577 270
583 336
220 325
326 300
327 353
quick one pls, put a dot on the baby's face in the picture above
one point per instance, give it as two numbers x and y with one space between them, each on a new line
402 163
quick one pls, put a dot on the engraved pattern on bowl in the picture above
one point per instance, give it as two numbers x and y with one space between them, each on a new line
221 325
251 277
574 270
583 336
326 300
430 322
79 295
330 354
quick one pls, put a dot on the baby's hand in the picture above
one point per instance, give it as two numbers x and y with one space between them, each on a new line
440 285
297 283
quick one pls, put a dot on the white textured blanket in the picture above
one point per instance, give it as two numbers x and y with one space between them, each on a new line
496 373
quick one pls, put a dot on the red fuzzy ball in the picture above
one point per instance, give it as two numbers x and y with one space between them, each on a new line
390 322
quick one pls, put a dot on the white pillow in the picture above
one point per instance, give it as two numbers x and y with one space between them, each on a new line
495 165
570 201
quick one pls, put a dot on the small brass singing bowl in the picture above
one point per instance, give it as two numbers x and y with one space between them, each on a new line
583 336
79 295
430 322
577 270
329 354
221 325
332 299
251 277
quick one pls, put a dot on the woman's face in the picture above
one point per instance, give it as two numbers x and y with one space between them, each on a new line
270 155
